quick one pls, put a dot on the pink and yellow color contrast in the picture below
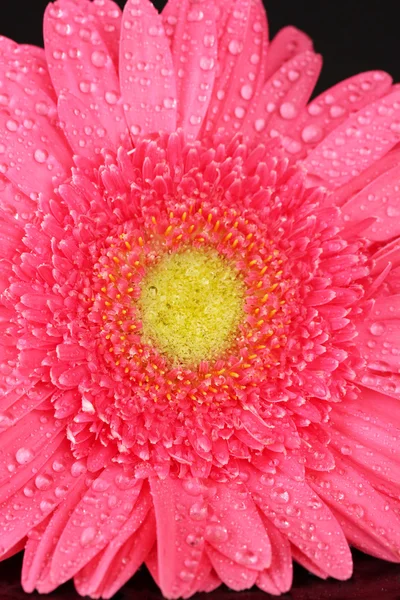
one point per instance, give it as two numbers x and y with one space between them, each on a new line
200 303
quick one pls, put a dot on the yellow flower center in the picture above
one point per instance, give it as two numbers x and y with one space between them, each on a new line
191 304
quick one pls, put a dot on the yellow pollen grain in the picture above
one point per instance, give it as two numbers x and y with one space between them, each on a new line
191 304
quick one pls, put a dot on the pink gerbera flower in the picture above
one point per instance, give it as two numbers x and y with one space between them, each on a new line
200 314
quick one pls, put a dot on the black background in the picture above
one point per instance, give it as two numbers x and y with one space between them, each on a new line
352 37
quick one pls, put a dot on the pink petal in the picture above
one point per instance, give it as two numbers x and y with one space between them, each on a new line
24 442
291 505
130 557
307 67
84 132
15 406
238 531
92 78
284 93
11 235
109 17
362 425
23 474
333 107
375 170
181 513
379 344
288 42
103 566
30 506
308 563
241 55
389 253
22 94
146 71
363 540
43 540
382 472
94 522
380 199
235 576
29 63
280 571
210 583
13 202
202 577
192 31
37 157
352 495
14 550
356 144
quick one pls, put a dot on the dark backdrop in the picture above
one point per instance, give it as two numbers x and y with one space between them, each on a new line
352 35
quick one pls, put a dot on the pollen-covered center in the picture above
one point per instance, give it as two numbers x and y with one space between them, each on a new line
191 304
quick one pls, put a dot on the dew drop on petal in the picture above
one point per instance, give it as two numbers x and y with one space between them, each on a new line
24 456
87 537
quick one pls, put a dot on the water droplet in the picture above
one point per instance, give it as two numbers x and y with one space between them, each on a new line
99 58
216 533
24 456
198 511
43 482
246 91
111 97
41 156
288 110
235 47
377 328
206 63
88 535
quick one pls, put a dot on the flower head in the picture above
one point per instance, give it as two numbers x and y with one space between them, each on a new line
199 303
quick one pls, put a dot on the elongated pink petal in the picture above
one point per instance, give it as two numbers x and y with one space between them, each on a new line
192 32
130 557
37 157
24 442
237 577
380 199
92 79
333 107
291 505
210 583
43 539
308 563
94 575
238 532
181 513
33 79
280 571
241 55
364 540
356 184
202 576
83 130
38 500
14 550
109 17
146 71
282 97
94 522
352 495
382 472
288 42
360 141
16 406
366 427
